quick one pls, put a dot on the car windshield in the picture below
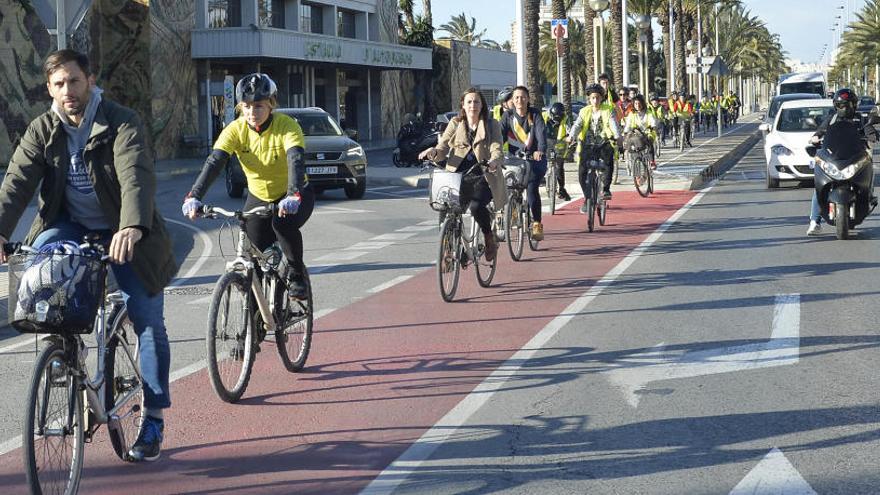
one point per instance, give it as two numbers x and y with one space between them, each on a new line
777 102
795 119
318 125
866 101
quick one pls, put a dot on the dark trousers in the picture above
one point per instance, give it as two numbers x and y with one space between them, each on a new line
263 231
477 189
560 172
607 156
533 195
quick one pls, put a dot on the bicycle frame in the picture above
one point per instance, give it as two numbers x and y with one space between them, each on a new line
244 263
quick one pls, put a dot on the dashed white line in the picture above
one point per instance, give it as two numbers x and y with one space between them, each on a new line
206 252
391 283
201 300
418 228
370 244
394 236
342 256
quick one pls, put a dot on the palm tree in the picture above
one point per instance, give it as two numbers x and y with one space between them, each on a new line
531 44
648 8
680 56
860 45
616 42
559 12
459 29
589 16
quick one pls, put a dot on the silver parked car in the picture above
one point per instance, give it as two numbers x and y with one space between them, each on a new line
333 158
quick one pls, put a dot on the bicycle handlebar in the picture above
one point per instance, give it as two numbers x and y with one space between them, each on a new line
210 211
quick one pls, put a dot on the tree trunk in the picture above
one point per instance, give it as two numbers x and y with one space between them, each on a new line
589 16
428 75
533 69
564 82
680 74
617 45
663 20
426 7
650 60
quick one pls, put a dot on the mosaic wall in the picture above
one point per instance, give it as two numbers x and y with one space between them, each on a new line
23 95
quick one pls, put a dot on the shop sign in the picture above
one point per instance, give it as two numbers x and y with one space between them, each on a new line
386 57
323 50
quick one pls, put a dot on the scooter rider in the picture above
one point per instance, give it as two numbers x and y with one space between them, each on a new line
845 102
556 123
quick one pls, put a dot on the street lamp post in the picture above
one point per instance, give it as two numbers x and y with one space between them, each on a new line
643 23
599 7
625 28
691 47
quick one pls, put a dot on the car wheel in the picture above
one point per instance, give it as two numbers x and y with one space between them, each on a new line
234 187
771 182
356 191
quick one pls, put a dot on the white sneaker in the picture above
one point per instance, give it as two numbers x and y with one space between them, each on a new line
815 228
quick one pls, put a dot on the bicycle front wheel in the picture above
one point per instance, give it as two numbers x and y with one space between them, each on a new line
552 187
294 318
123 387
53 433
515 228
448 262
640 176
485 269
590 200
230 339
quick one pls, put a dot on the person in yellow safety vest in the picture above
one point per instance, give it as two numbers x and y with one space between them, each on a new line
683 112
660 114
597 121
641 118
502 102
556 122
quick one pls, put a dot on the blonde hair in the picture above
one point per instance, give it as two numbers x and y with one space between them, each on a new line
272 102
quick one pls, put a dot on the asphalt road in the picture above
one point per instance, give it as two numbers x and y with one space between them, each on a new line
718 351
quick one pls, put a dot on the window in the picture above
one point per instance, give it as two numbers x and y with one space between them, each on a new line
311 18
345 24
271 13
224 13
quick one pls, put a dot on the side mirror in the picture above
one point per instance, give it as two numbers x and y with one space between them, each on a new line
811 150
874 116
352 134
764 127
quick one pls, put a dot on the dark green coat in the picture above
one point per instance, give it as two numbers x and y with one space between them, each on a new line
121 168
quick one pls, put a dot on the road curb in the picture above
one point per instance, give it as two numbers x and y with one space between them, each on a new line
725 163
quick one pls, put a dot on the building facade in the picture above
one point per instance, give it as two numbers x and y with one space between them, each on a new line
339 55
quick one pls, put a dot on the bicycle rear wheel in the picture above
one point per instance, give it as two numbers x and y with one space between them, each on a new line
53 434
230 340
485 269
640 176
294 319
527 212
448 262
515 226
601 211
123 383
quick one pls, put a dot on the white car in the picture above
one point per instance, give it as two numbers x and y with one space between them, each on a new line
787 138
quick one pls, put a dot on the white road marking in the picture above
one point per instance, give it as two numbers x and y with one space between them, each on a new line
370 244
322 313
335 210
399 470
782 349
10 445
774 475
695 148
391 283
28 340
202 300
419 228
341 256
394 237
206 252
187 370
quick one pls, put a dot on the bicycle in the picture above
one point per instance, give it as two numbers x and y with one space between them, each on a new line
461 241
595 204
638 161
550 179
518 215
249 301
57 423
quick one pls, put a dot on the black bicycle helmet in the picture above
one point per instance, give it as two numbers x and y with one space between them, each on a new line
595 88
504 95
557 111
845 103
255 87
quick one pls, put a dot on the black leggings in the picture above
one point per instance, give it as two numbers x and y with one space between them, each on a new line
263 231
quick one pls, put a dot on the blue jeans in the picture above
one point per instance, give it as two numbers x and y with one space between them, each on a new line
815 215
538 171
145 311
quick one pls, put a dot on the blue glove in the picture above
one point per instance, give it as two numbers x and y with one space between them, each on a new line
191 207
289 205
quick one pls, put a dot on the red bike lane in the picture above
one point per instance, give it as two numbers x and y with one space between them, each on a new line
381 372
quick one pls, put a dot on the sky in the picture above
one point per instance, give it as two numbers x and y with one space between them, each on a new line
803 25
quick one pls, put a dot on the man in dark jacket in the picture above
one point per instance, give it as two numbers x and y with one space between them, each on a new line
522 128
88 158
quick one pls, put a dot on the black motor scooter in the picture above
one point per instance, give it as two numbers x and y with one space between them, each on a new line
844 176
412 139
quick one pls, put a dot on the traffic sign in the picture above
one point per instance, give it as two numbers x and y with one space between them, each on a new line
559 28
698 65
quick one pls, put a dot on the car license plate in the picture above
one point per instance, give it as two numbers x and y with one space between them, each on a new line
321 170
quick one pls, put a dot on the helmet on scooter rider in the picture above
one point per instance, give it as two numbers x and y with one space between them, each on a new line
255 87
845 103
557 111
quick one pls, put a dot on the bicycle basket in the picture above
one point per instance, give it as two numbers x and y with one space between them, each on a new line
56 290
636 141
516 171
445 189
